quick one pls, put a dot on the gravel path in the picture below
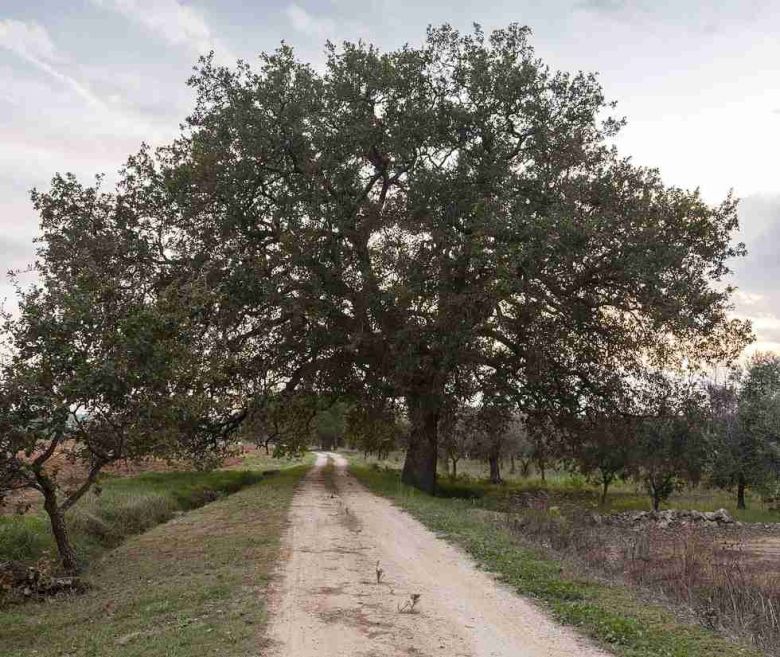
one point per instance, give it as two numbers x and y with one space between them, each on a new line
326 600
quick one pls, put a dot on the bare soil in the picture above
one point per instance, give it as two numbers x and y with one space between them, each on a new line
326 600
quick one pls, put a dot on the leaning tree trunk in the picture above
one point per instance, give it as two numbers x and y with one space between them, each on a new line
58 527
420 463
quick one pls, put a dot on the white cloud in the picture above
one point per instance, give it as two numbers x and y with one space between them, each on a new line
31 42
742 298
309 24
175 23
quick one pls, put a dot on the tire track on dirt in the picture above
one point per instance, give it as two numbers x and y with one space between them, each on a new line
326 601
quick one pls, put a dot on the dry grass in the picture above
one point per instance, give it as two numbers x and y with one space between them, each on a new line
713 574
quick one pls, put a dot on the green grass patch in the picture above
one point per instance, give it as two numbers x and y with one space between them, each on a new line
615 616
124 507
259 460
191 587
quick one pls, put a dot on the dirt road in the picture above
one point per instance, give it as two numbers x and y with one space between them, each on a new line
326 600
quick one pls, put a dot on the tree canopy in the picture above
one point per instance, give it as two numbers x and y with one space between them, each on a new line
440 222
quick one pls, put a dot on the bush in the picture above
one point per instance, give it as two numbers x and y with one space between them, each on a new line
111 518
24 538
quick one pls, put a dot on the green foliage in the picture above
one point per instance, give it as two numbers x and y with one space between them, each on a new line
330 425
746 427
435 221
374 428
670 451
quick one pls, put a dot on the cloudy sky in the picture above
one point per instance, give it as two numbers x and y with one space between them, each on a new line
83 82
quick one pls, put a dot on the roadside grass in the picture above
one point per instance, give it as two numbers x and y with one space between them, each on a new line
123 507
126 506
565 487
191 587
615 616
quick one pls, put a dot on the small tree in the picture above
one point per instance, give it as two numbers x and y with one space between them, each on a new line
98 363
456 436
745 421
374 428
330 425
605 450
516 441
493 430
288 421
670 451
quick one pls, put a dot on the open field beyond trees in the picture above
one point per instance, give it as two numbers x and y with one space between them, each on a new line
561 486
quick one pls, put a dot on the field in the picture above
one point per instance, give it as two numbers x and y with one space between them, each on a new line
145 496
561 486
192 586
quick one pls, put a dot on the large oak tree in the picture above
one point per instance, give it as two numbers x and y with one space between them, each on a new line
428 224
438 219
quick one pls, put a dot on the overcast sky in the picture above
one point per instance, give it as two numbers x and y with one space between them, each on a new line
83 82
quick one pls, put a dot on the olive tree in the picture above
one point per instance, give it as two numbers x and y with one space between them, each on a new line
606 449
671 446
745 421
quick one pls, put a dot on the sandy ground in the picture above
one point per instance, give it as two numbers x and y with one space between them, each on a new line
326 600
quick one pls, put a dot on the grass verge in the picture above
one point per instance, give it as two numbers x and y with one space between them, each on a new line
614 616
193 586
124 507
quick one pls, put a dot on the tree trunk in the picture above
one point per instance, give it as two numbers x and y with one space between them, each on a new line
741 485
512 464
454 469
495 470
420 463
605 481
58 527
654 495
